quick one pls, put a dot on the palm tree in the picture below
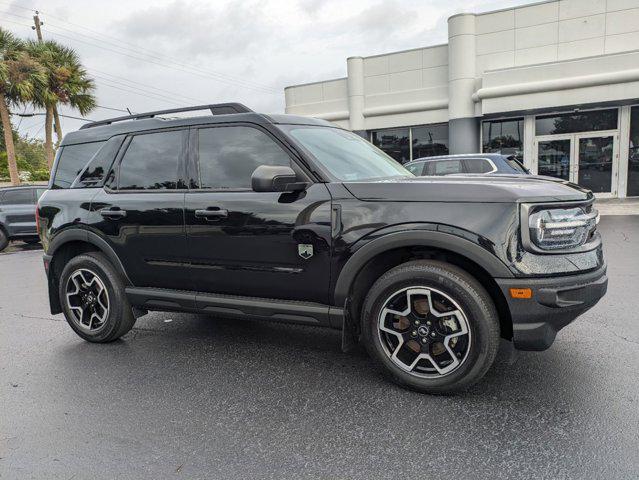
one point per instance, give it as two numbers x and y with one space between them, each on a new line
20 77
67 83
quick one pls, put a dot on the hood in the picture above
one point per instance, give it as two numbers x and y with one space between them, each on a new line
469 188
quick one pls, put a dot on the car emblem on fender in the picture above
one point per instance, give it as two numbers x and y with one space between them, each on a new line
305 250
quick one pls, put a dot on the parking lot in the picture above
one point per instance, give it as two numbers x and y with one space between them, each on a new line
190 396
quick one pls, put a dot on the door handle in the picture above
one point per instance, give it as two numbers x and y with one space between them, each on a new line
113 213
211 214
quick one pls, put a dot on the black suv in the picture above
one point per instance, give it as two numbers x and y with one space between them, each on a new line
292 219
17 214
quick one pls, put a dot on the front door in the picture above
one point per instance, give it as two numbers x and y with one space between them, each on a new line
256 244
588 159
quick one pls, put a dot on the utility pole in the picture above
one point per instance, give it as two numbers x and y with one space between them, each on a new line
37 24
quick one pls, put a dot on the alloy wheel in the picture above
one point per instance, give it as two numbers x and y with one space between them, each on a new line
87 299
424 332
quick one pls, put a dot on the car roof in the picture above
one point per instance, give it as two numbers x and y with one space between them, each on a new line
221 113
21 187
461 156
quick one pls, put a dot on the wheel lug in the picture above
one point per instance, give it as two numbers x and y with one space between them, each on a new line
428 323
424 340
413 333
416 322
432 334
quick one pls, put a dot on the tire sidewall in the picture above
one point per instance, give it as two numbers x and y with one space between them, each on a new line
4 239
481 318
115 291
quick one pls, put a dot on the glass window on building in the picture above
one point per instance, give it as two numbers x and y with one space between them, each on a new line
395 142
430 140
577 122
504 136
633 157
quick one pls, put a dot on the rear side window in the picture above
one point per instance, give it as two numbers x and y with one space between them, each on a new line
478 165
415 168
447 167
72 160
151 162
94 173
18 197
228 156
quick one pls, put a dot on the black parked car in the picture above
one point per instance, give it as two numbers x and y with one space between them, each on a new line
17 214
480 163
293 219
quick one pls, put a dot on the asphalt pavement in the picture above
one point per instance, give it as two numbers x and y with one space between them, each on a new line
187 396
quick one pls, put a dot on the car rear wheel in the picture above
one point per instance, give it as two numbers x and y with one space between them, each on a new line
93 299
431 326
4 240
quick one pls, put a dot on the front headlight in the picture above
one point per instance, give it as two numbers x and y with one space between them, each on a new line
555 230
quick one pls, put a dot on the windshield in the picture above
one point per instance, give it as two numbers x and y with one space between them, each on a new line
347 156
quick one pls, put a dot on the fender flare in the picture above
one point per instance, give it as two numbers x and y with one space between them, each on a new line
415 238
92 238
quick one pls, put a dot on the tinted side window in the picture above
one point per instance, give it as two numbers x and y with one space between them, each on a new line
446 167
478 165
415 168
151 162
72 160
228 156
96 170
18 197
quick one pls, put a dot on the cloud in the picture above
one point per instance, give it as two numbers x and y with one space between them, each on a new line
193 29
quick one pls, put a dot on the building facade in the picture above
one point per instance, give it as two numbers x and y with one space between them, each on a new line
555 83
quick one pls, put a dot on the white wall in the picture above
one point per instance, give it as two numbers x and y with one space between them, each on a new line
412 87
555 31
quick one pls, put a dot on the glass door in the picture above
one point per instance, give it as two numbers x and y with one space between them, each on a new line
554 156
596 166
588 159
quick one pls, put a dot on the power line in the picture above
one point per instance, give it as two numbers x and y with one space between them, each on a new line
159 60
126 82
224 78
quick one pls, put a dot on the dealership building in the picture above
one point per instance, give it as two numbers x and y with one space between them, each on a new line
555 83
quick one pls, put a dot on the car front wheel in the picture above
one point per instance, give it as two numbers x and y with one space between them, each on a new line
431 326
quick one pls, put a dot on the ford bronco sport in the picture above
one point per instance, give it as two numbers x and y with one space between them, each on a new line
293 219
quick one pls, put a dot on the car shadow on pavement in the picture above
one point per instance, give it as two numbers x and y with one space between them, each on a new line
221 351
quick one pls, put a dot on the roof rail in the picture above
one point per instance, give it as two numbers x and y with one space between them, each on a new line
216 109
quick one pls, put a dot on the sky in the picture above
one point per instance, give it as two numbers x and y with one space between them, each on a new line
155 54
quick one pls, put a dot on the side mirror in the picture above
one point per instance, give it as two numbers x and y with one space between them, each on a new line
269 178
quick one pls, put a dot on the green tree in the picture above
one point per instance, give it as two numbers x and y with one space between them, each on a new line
20 77
68 83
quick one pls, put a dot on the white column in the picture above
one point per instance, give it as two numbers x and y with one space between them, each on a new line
624 151
530 155
463 126
355 85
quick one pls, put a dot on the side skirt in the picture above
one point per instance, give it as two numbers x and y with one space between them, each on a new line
306 313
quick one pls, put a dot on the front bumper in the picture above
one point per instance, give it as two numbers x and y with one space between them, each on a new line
555 302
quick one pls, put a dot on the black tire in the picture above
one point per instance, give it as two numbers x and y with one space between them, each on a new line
4 240
476 304
120 318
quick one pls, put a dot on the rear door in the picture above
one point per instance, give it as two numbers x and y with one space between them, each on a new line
258 244
140 210
18 209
